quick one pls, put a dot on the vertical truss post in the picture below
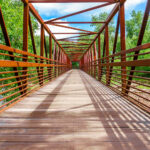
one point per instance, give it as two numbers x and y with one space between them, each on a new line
54 59
66 67
84 58
107 54
68 63
50 55
46 54
95 57
25 43
61 61
104 49
90 61
99 57
42 54
58 59
89 66
33 45
92 66
123 45
82 63
55 47
86 62
114 47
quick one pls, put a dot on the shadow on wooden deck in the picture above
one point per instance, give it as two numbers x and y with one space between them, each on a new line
78 114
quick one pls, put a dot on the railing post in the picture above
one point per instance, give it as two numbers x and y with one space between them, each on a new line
99 58
107 54
50 55
88 57
95 57
54 57
114 48
60 69
68 63
59 60
123 45
42 54
25 42
90 61
92 69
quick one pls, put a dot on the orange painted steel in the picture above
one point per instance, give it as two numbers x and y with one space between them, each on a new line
31 70
121 71
117 70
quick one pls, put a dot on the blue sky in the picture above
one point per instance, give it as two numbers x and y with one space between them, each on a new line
54 10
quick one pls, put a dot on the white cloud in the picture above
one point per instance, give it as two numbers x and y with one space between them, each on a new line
51 9
55 29
131 4
65 8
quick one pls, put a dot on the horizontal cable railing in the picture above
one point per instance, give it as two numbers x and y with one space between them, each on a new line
110 73
128 71
36 75
22 71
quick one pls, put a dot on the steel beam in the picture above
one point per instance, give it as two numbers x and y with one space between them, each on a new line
66 22
123 45
73 28
79 12
25 41
70 1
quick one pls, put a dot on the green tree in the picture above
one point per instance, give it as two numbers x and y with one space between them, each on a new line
13 15
12 11
102 17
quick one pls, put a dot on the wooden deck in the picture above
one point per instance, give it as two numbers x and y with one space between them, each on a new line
74 112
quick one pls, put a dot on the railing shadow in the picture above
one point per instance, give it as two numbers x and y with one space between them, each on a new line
125 125
50 98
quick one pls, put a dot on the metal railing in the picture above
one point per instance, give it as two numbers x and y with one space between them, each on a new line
23 72
121 71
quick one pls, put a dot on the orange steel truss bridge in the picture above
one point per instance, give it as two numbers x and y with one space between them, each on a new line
103 105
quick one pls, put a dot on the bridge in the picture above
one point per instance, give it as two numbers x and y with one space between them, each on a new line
102 105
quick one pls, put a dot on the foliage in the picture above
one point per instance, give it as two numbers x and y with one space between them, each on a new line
133 26
13 16
12 11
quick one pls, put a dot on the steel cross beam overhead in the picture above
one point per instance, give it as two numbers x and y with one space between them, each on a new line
67 22
71 1
120 79
79 12
89 33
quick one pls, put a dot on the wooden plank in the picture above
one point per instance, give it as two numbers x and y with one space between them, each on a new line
69 110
